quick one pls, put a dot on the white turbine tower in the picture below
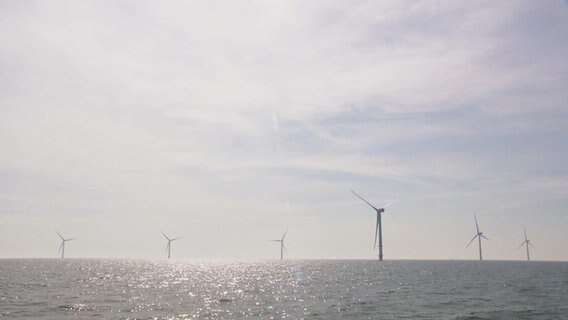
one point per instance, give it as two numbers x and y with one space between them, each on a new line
378 228
62 246
528 243
282 248
169 246
478 235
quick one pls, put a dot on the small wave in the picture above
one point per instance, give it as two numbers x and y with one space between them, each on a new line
75 307
508 314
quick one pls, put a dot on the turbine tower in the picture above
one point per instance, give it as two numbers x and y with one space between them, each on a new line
62 246
282 248
478 235
528 243
169 246
378 228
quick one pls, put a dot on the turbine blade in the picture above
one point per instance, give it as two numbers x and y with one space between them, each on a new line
165 236
71 239
530 243
60 236
472 240
367 202
174 239
60 247
284 236
387 205
520 245
376 232
476 225
283 247
484 237
275 240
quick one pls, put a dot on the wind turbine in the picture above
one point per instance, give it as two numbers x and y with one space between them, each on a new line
62 246
169 246
478 235
528 243
378 228
282 248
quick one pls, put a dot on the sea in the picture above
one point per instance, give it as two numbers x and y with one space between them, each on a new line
289 289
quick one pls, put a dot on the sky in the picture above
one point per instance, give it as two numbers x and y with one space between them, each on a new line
232 122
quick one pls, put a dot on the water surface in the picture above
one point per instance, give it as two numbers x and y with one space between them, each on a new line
133 289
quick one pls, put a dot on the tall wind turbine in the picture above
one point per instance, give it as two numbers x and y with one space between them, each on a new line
478 235
169 246
282 248
378 228
62 246
528 243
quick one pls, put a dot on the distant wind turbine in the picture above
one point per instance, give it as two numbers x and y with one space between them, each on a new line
478 235
378 228
282 248
528 243
169 246
62 246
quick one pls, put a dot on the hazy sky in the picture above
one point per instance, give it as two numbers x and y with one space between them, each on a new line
229 123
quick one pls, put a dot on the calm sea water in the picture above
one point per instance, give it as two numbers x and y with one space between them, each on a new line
130 289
